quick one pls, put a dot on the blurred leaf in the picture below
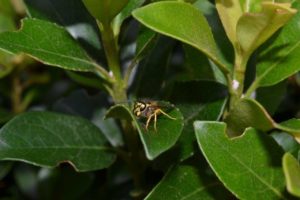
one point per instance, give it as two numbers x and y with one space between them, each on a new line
287 142
58 48
5 116
125 13
145 42
292 127
249 165
47 139
154 142
109 128
197 66
78 103
248 113
183 22
151 72
291 169
195 92
280 58
72 15
271 97
105 10
5 167
6 23
26 180
7 9
63 183
187 182
253 29
81 79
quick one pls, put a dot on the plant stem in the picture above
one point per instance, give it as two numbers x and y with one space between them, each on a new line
16 94
252 88
236 87
118 92
111 50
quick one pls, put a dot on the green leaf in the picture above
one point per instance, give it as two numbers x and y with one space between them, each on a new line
230 12
152 70
145 42
291 169
154 142
183 22
248 113
271 97
253 29
287 142
92 82
48 139
249 165
292 127
281 57
109 128
197 66
187 182
105 10
57 49
204 105
125 13
75 19
210 12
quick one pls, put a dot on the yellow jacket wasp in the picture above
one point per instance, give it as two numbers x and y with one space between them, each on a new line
149 109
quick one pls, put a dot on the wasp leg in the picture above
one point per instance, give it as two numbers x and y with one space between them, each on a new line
155 119
148 121
162 112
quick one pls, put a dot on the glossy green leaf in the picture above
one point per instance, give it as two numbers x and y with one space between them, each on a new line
154 142
47 139
181 21
249 165
248 113
253 29
57 49
187 182
281 57
291 170
105 10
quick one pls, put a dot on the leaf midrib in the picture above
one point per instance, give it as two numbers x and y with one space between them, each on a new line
199 190
49 52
